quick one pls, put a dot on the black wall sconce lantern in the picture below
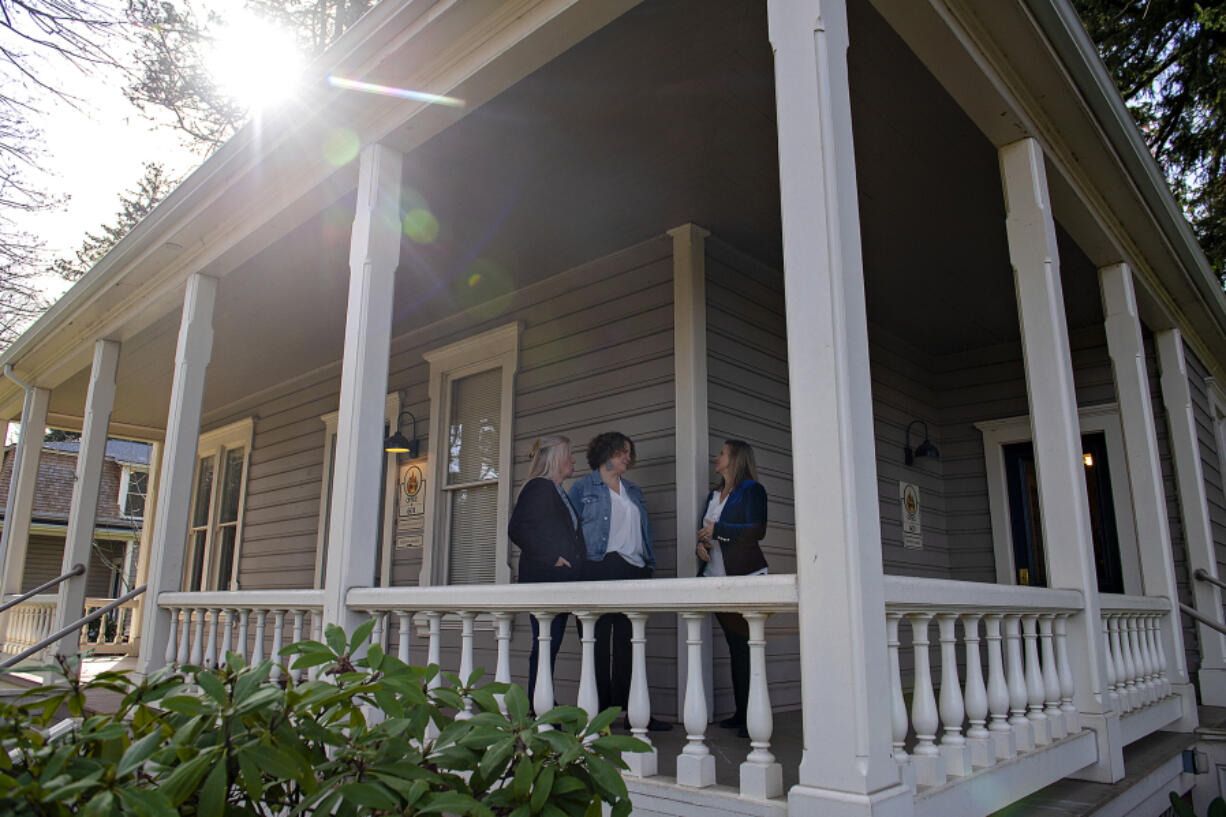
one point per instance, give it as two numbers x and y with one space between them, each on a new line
398 443
924 449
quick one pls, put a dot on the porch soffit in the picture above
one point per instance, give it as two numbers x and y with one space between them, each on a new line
271 177
1106 189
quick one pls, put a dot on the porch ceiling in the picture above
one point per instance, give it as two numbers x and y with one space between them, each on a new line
665 116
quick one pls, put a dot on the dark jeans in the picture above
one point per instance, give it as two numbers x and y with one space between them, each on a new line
613 631
736 632
557 630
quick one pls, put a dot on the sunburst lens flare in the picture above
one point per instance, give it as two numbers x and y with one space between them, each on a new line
255 60
421 226
340 147
402 93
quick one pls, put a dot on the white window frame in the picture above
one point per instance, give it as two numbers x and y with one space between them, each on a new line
391 414
216 443
1104 419
1217 411
494 349
125 477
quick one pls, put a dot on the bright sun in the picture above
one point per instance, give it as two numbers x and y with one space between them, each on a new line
254 60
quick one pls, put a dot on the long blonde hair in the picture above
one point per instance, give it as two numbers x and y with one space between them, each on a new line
548 455
740 456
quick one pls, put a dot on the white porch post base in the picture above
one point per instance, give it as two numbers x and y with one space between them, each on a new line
929 769
761 782
1110 765
1023 736
1212 686
1189 720
983 751
893 801
696 770
958 760
643 764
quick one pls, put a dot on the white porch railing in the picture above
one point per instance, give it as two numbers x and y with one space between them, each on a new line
1026 704
753 597
29 623
1138 686
111 634
256 624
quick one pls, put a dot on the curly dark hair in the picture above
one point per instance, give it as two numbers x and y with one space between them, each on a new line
605 445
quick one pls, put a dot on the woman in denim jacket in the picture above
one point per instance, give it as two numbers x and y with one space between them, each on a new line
617 533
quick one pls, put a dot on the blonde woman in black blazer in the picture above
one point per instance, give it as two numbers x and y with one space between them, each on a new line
545 527
732 526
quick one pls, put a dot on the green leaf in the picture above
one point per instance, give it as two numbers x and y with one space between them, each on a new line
360 635
275 762
601 722
250 773
146 802
621 808
521 783
185 705
494 762
1217 808
63 792
212 686
180 783
138 753
621 743
454 803
258 699
212 800
609 783
101 804
516 701
371 795
542 788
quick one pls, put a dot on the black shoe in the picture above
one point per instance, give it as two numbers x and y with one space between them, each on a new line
653 725
732 723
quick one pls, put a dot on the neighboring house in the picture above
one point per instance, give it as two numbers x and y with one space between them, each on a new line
833 228
114 551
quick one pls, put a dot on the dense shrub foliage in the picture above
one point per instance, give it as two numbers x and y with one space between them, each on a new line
367 737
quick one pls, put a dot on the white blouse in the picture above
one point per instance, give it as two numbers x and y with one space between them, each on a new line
625 529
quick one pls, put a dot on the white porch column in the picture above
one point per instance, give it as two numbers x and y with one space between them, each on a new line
70 604
146 535
373 256
843 657
179 465
1123 325
20 505
1194 512
1056 433
693 434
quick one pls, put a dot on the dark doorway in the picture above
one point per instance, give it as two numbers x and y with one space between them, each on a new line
1029 555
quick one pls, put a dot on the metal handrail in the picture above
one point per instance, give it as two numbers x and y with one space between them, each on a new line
1203 619
76 625
1203 575
77 570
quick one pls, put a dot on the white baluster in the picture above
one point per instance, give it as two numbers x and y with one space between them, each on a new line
1051 678
953 745
898 706
588 701
642 764
376 635
466 659
1113 695
502 672
257 650
434 658
171 655
1023 731
1155 631
926 757
1121 669
542 696
210 649
1147 659
197 637
185 637
402 629
227 636
1131 670
978 738
317 634
695 764
761 775
241 647
1064 670
1003 742
299 614
278 630
1034 681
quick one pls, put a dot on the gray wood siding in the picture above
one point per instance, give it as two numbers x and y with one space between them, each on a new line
45 559
748 399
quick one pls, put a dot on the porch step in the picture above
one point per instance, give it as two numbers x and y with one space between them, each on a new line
1154 768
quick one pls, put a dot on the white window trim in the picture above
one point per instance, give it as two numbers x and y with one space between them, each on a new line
391 414
1103 418
215 443
1217 411
496 348
125 476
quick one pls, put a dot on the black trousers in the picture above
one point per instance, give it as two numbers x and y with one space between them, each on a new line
736 632
613 631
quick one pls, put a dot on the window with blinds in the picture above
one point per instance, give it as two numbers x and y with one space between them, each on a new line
215 532
471 490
